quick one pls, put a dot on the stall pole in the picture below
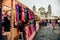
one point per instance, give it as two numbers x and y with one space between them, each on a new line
12 21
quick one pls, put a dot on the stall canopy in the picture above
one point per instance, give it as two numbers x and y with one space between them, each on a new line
51 18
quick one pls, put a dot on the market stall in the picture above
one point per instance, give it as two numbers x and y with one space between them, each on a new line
20 18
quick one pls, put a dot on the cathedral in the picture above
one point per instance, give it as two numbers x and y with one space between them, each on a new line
49 10
41 11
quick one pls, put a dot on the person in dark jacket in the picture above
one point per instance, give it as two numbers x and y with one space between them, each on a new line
6 24
21 29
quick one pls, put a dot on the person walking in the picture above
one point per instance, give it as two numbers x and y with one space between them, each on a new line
54 25
49 26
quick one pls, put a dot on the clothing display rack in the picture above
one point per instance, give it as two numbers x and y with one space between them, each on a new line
20 21
26 17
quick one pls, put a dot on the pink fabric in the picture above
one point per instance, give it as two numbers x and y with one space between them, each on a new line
32 27
22 16
29 15
26 30
29 33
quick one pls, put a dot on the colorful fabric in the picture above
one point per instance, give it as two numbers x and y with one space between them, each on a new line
29 31
20 12
17 12
25 13
20 8
22 15
29 15
32 28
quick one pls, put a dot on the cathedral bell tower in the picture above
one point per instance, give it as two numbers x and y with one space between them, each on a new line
49 10
34 9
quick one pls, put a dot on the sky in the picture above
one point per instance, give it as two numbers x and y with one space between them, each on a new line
55 5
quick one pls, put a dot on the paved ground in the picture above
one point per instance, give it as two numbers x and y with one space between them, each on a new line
47 34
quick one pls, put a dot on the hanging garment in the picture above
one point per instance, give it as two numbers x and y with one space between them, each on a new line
20 27
6 24
20 11
29 31
17 12
20 8
22 15
25 14
29 15
32 28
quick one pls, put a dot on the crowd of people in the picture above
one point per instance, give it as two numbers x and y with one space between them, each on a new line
45 23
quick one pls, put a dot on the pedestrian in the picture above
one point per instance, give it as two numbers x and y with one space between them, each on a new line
40 24
53 24
49 26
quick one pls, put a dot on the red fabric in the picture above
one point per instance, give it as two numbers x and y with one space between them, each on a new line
29 15
29 31
22 15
